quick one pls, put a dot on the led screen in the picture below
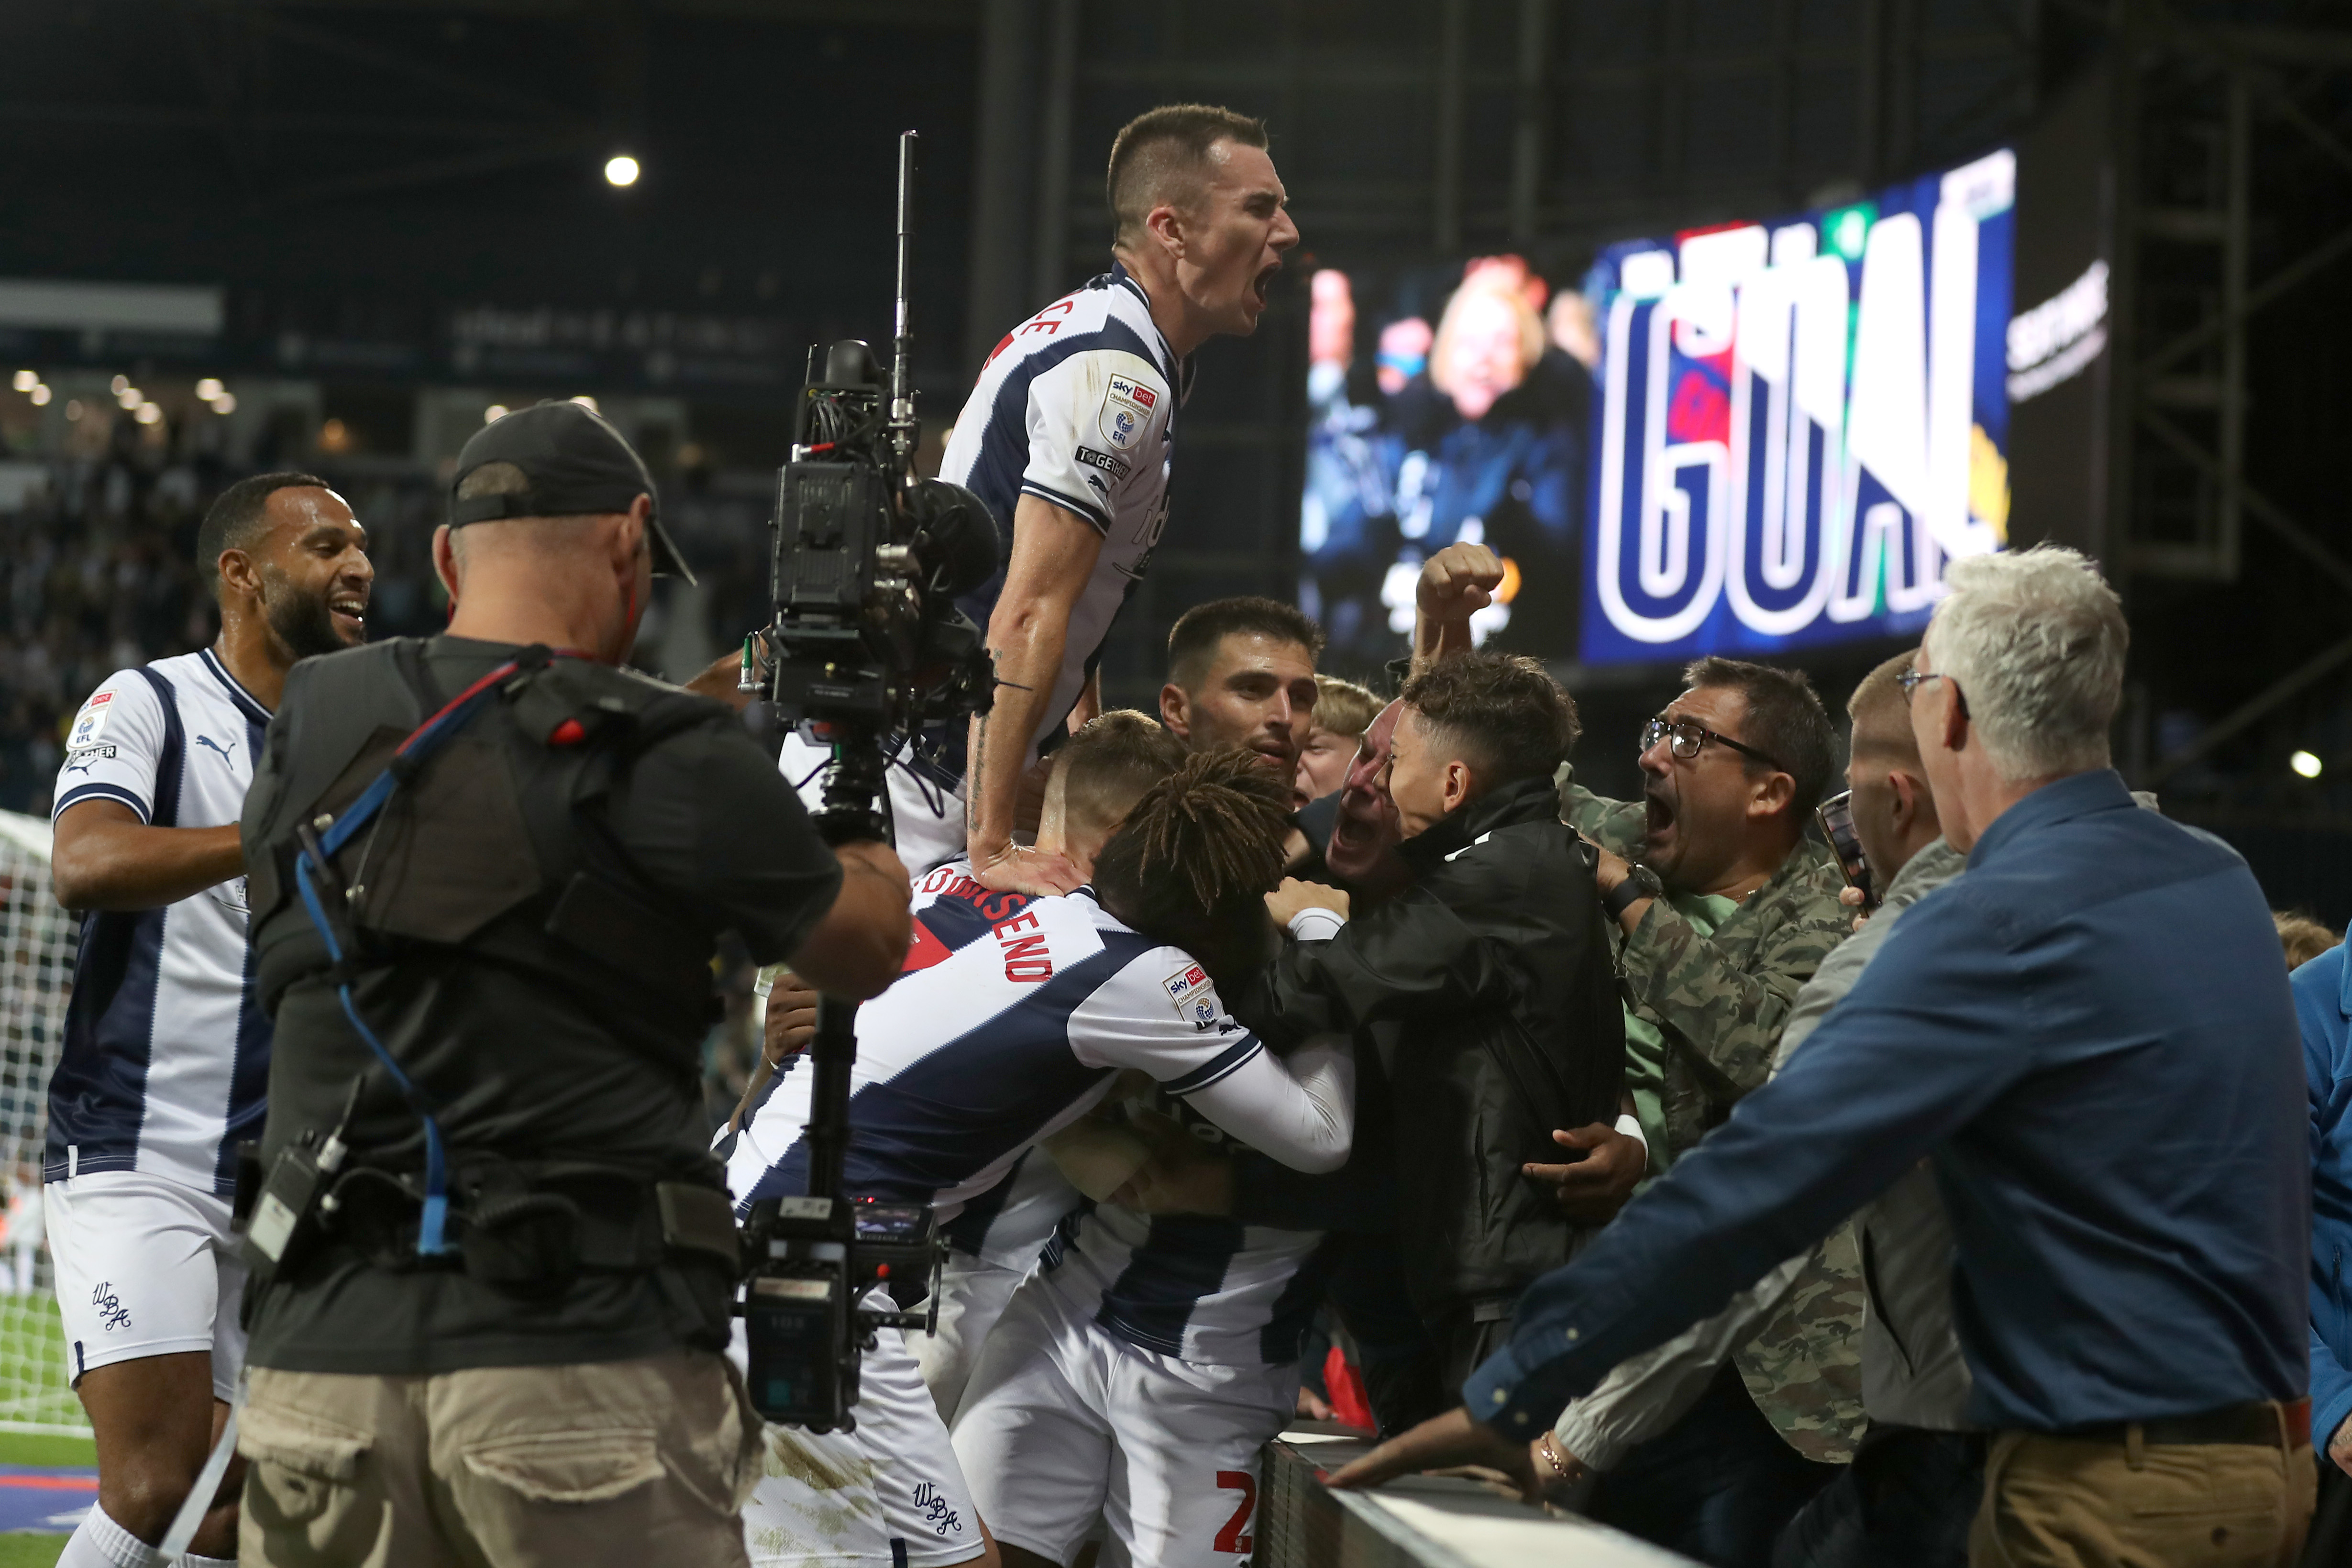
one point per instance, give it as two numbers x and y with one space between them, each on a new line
1749 438
1799 423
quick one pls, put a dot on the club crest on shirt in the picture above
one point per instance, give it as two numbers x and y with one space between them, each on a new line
1127 406
92 721
231 895
1195 999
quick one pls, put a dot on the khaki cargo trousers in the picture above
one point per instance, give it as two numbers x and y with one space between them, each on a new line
2069 1502
628 1462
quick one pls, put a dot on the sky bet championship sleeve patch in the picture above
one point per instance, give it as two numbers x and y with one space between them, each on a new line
92 722
1194 998
1126 410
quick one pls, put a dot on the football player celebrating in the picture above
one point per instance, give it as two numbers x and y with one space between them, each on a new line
1069 437
167 1046
1014 1027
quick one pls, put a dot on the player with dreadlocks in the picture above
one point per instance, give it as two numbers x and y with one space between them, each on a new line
1008 1034
1136 1374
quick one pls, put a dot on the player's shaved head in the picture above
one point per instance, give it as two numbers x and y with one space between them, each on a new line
1166 157
1103 770
1195 858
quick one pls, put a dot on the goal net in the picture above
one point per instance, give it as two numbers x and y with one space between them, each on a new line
37 960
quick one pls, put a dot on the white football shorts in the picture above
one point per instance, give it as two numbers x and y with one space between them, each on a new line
973 1293
889 1493
145 1267
1063 1422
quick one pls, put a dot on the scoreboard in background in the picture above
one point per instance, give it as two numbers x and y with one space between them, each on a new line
1799 424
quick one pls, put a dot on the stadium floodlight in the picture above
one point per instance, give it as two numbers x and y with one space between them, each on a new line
40 395
621 170
208 388
26 380
2305 765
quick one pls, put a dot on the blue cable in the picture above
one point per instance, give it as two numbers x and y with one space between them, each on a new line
433 1224
432 1229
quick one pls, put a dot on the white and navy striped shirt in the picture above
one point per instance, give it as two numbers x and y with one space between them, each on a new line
1077 406
1200 1287
166 1052
1011 1022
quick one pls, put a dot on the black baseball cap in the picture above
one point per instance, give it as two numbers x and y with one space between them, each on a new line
576 462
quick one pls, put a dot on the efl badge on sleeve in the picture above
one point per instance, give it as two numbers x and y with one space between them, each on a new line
1127 408
1194 998
92 722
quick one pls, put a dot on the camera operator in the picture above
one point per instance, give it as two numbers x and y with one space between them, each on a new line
1070 439
511 961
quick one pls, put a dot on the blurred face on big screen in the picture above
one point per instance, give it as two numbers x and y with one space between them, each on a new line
1482 352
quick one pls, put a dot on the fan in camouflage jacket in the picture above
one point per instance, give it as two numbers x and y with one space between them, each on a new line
1719 1001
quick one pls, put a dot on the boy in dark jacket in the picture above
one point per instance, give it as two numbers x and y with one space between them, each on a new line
1485 991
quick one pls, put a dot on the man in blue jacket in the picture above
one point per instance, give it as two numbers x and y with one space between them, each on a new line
2090 1038
2323 1005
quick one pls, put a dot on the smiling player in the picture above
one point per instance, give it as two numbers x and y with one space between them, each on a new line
166 1047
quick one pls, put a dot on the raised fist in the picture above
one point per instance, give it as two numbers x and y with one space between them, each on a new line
1458 581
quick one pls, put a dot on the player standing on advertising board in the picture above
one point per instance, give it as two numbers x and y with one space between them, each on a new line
166 1047
1069 438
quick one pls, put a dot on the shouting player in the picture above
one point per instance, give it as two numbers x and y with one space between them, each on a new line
166 1047
1069 436
1009 1032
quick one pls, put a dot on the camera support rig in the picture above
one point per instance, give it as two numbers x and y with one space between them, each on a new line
869 651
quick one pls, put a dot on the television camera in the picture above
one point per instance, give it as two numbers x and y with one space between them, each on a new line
866 652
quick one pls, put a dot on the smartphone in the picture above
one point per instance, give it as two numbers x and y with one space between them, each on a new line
1836 816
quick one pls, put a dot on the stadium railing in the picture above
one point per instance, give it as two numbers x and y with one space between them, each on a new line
1417 1522
36 962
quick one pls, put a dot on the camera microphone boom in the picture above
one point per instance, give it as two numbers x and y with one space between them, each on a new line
869 652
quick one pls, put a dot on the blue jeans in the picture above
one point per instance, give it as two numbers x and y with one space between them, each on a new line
1906 1501
1718 1485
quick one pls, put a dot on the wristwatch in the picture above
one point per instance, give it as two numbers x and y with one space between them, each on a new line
1640 883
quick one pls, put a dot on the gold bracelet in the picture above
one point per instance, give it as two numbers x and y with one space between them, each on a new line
1550 1447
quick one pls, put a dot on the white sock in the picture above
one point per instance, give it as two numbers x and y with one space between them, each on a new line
99 1543
190 1560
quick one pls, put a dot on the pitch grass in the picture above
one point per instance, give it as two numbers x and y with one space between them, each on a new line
27 1549
24 1549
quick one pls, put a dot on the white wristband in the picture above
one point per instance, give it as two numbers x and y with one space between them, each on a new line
1317 924
1630 1125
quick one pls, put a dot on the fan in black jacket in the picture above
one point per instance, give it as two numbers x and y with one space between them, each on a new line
1484 993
